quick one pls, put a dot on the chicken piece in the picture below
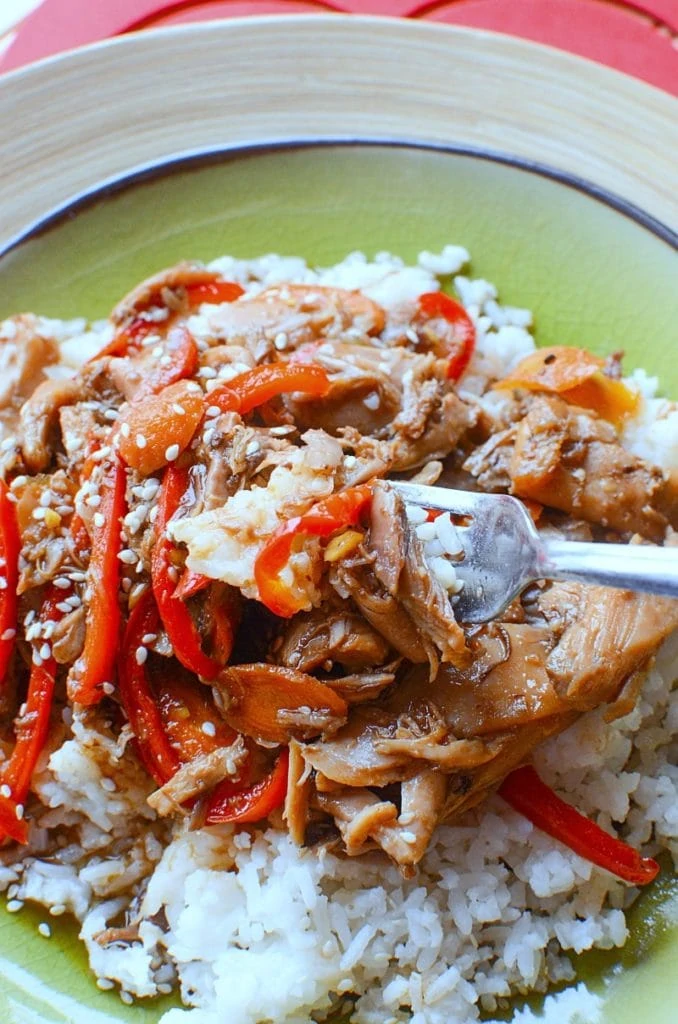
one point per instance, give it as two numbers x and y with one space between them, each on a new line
383 612
613 635
351 757
447 425
77 423
294 315
400 566
40 420
23 358
68 637
299 786
165 288
323 635
490 464
566 458
196 776
361 687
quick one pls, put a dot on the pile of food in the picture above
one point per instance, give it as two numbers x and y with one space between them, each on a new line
245 739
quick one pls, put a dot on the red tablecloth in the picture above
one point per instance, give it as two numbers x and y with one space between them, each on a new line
639 37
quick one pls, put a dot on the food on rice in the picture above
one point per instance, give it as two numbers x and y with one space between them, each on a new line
246 741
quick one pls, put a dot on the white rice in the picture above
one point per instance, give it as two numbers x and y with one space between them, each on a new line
258 930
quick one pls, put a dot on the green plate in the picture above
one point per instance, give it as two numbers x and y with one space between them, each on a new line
594 275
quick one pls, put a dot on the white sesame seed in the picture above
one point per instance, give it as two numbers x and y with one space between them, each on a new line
149 638
140 441
165 360
212 411
408 837
372 401
105 984
126 997
37 660
14 906
61 583
45 930
12 497
99 519
5 791
45 499
141 654
209 728
127 556
18 481
111 414
19 811
39 512
77 577
61 607
108 688
93 501
178 409
193 387
208 435
280 341
172 452
45 652
125 430
252 448
350 461
157 351
9 634
109 785
57 910
3 583
207 372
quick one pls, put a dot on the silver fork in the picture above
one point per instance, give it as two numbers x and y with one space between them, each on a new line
504 553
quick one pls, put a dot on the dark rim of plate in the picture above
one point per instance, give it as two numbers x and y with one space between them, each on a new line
195 158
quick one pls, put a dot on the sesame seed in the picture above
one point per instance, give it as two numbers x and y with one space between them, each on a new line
61 583
18 481
14 906
45 499
99 519
208 435
5 791
252 448
93 501
178 409
140 441
193 387
108 688
127 556
9 634
212 411
125 429
280 341
165 360
45 930
77 577
157 351
3 583
62 606
141 655
172 452
408 837
126 997
164 988
45 652
12 497
209 728
207 372
109 785
111 414
39 512
57 910
37 660
19 811
149 638
105 984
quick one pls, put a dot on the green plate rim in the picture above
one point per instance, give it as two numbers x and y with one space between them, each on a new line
201 157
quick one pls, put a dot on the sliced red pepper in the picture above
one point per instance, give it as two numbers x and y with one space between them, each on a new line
183 633
32 730
95 665
190 583
214 292
254 387
182 352
126 338
159 757
527 794
230 802
339 510
10 547
185 707
462 346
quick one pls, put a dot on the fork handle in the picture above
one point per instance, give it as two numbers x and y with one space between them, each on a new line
653 570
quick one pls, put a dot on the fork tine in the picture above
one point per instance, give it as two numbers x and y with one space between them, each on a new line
460 502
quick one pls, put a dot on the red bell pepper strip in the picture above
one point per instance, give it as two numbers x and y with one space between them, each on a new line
32 729
10 548
214 292
438 304
182 631
230 802
181 350
190 583
339 510
254 387
95 665
527 794
128 337
158 755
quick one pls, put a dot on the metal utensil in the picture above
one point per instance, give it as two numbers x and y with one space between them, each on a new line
503 553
